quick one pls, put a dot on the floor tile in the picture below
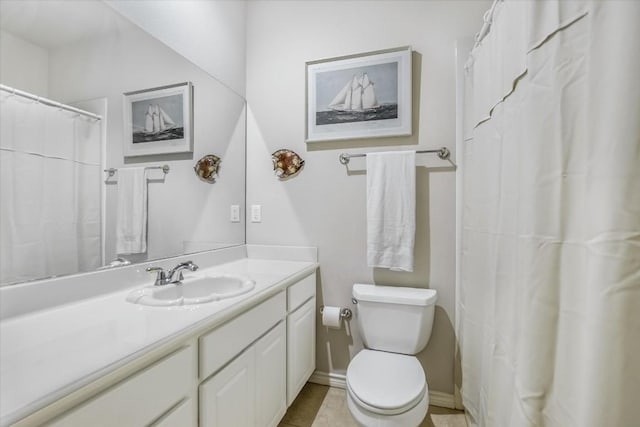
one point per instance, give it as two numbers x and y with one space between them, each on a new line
304 409
322 406
334 411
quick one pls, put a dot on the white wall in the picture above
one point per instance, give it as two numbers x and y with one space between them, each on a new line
181 208
325 205
23 65
211 34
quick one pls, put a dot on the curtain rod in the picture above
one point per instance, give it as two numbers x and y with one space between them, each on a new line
49 102
443 153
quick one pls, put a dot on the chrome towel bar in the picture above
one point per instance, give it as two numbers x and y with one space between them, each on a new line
443 153
165 169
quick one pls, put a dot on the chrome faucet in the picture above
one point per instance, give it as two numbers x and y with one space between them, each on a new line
175 274
161 278
172 276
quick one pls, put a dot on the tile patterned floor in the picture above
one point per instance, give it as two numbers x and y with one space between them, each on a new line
322 406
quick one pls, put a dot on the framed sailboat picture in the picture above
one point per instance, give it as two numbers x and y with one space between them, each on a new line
359 96
159 120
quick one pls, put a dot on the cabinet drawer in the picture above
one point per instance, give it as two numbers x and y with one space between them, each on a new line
184 415
300 292
223 343
140 399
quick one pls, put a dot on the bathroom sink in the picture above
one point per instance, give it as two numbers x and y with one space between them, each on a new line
198 289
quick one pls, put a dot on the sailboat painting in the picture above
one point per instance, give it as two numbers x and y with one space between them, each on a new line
159 120
370 93
359 96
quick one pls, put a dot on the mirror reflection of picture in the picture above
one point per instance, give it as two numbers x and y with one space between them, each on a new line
158 120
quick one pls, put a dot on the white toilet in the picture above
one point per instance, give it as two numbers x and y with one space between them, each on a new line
386 385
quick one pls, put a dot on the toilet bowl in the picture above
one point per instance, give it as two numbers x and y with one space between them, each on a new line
386 385
396 395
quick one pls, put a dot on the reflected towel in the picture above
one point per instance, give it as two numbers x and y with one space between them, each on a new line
131 228
391 209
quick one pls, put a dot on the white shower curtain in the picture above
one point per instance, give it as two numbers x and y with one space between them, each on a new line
550 270
49 190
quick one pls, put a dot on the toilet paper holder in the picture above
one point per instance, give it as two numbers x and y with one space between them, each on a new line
345 313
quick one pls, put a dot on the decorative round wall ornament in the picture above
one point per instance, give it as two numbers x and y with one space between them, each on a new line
207 168
286 163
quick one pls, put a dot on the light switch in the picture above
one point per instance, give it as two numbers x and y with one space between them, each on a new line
234 215
256 213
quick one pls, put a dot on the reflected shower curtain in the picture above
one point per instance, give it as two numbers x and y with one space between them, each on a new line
50 221
549 302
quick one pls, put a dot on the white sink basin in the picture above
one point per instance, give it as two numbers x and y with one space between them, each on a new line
198 289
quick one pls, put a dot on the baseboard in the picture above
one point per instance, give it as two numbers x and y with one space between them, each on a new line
443 400
326 378
457 398
436 398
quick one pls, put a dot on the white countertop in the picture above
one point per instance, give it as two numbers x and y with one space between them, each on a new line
49 353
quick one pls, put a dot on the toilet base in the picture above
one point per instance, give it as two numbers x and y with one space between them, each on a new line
364 417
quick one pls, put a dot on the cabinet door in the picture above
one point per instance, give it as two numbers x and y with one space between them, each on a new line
301 348
271 376
228 398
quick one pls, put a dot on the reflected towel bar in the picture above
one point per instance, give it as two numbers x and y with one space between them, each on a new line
165 169
443 153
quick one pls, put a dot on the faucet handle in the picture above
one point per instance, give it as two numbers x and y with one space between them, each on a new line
175 274
187 264
161 278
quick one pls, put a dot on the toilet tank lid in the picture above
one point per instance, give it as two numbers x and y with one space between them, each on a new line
394 294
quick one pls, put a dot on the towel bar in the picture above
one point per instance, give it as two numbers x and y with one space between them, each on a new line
443 153
165 169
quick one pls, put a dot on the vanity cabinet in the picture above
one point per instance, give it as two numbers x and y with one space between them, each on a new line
250 390
256 387
242 373
301 335
247 357
140 400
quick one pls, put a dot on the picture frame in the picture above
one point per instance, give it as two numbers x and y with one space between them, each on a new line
367 95
158 120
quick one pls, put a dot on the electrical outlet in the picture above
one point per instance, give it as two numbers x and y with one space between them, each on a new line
256 213
234 215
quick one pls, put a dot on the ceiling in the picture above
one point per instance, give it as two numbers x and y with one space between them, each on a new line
55 23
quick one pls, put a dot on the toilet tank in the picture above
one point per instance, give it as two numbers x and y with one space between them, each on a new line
394 319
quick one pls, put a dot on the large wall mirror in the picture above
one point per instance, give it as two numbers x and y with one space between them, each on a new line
58 207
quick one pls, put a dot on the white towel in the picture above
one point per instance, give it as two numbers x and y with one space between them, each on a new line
391 209
131 228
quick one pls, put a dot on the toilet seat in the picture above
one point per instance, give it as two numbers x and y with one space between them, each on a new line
386 383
